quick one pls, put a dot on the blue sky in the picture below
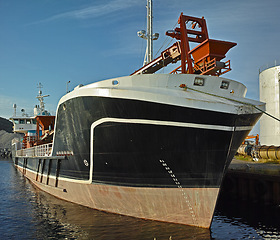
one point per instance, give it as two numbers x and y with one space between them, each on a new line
84 41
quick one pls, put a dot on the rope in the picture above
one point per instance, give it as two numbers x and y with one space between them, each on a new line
164 42
275 118
249 104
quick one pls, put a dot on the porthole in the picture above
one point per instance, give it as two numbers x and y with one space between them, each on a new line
224 85
198 81
86 162
115 82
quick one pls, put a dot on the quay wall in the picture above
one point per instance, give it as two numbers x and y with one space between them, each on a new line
253 182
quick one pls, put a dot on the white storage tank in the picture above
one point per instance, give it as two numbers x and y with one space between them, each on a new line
269 93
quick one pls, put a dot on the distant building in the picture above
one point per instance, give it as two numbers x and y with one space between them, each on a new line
269 93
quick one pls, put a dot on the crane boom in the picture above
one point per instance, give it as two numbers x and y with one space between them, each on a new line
204 59
170 55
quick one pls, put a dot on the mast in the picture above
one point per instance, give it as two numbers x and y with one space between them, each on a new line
149 31
149 36
40 97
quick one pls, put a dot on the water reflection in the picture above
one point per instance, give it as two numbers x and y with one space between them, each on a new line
78 222
28 213
34 214
236 219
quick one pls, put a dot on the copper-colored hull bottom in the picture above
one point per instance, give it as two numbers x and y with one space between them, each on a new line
189 206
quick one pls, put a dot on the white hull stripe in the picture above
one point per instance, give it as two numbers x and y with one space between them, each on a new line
54 178
141 121
169 123
156 122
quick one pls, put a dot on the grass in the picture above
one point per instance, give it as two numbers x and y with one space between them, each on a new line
243 158
250 159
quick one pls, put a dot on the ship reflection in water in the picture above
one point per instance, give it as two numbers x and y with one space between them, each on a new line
73 221
28 213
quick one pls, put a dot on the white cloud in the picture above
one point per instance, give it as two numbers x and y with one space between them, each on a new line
94 11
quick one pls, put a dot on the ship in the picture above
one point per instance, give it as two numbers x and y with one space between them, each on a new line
148 145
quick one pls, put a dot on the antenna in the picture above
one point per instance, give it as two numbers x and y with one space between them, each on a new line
40 97
149 36
40 86
15 109
67 87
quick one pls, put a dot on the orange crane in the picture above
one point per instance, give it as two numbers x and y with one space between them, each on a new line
256 137
204 59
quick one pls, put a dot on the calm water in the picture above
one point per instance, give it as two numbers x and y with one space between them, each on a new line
27 213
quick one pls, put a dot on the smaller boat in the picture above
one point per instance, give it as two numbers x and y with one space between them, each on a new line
37 129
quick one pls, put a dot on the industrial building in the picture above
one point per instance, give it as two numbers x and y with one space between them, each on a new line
269 93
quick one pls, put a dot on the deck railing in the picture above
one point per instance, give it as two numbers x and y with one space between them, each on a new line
37 151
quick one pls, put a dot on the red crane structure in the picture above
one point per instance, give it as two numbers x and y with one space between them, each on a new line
204 59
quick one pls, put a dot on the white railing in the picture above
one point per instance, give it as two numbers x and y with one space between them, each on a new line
37 151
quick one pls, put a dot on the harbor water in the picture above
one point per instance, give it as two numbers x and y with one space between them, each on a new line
28 213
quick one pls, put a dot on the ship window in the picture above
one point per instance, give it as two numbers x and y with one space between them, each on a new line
28 121
115 82
33 121
21 121
198 81
16 121
224 85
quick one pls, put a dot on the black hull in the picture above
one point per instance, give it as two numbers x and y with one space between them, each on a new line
141 159
131 154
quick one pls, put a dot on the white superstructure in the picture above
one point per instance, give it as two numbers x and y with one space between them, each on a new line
269 93
27 124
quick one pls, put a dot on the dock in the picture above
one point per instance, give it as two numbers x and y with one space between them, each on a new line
252 181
